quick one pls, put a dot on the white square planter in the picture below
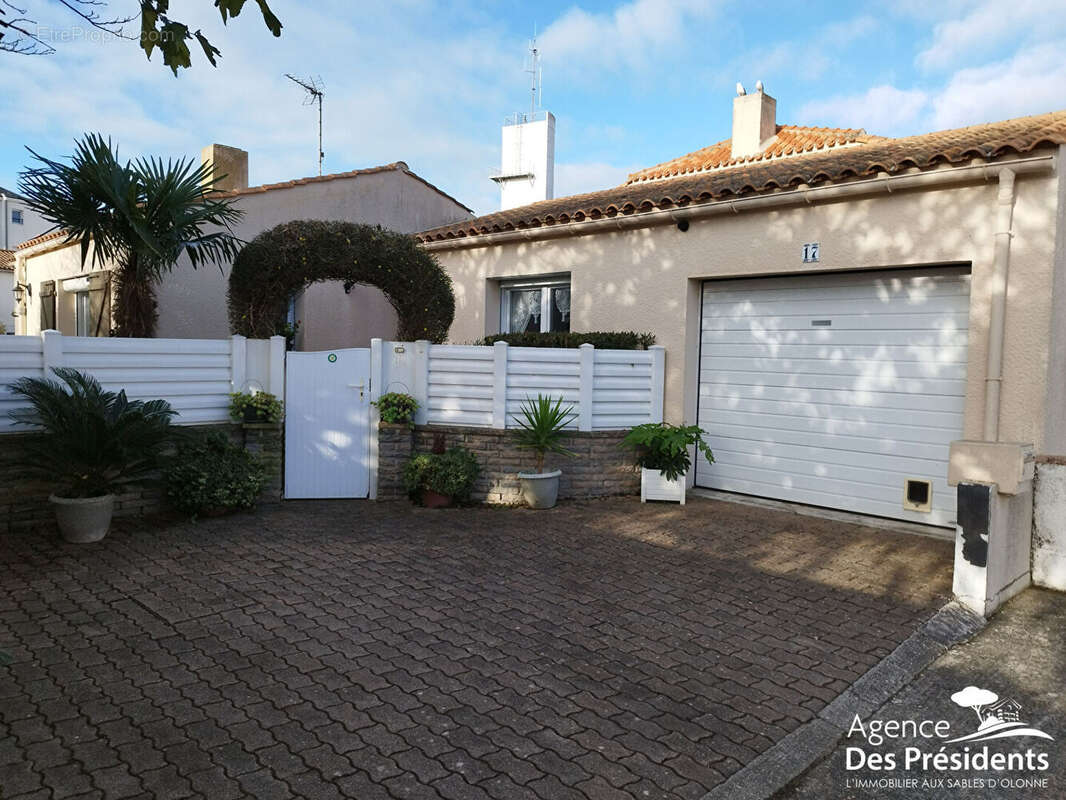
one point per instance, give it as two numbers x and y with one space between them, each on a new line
653 486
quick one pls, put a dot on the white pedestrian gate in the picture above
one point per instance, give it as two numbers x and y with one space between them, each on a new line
327 424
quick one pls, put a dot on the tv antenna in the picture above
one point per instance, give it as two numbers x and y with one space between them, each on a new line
315 92
535 80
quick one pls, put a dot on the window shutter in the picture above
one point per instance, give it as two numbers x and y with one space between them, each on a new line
99 304
48 306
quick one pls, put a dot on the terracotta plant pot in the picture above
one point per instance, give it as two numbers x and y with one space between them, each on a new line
431 499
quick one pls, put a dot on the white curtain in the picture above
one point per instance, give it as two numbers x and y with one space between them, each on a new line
562 302
524 306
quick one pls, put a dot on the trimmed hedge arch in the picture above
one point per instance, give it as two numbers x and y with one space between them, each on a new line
281 261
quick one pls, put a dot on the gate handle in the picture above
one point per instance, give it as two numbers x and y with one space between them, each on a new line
358 386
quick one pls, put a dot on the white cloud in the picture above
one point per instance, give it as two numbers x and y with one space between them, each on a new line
1031 82
633 36
990 23
882 110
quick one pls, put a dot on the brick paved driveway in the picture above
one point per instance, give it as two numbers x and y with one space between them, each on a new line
353 649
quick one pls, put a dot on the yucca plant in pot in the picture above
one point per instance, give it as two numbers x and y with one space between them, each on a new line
541 428
90 444
662 452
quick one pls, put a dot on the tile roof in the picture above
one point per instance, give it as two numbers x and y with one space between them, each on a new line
839 162
44 237
7 259
790 140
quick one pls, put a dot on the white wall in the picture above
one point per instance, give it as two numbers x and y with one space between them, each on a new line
7 299
528 148
12 234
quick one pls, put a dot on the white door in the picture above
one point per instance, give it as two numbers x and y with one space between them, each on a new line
841 390
327 424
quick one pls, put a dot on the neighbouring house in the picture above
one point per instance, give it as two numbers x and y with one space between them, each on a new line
74 298
18 222
7 295
858 322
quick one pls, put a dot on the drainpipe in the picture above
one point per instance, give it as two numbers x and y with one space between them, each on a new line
3 207
998 313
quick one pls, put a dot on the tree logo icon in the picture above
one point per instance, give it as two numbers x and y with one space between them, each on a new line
997 718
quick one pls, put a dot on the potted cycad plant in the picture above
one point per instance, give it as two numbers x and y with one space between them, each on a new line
541 428
663 457
90 444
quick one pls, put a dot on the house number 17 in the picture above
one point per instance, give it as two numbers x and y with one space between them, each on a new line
811 252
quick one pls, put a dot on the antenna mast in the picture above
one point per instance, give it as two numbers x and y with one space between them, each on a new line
535 76
315 92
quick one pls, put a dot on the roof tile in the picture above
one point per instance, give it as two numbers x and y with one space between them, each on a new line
845 154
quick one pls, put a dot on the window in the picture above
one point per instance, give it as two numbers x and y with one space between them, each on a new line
82 315
16 216
535 306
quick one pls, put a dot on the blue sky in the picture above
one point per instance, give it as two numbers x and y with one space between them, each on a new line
631 83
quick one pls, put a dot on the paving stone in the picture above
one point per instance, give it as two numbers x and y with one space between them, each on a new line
609 647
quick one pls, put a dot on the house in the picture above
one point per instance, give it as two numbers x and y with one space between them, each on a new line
18 222
858 322
73 298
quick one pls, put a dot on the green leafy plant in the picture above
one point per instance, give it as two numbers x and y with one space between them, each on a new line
541 427
254 406
280 262
89 442
664 447
140 217
210 473
450 473
289 331
397 408
607 340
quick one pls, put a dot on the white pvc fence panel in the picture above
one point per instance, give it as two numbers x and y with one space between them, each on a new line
195 376
486 386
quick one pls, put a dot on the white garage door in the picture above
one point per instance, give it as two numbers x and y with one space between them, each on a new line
841 390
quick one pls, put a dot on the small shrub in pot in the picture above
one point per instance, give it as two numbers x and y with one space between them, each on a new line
662 453
255 407
397 408
542 428
441 479
210 475
90 444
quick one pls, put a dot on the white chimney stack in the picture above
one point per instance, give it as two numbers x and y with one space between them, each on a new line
754 121
527 165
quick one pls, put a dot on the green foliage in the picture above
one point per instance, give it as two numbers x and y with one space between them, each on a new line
664 447
142 215
89 442
289 331
284 260
173 37
397 408
210 473
450 473
266 407
607 340
541 427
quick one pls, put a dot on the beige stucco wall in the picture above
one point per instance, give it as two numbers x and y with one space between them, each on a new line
51 261
648 279
192 303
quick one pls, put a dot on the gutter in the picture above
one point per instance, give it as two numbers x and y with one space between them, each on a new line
976 170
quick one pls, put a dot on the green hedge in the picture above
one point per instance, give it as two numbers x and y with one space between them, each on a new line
606 340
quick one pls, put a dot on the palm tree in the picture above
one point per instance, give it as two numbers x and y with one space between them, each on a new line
140 216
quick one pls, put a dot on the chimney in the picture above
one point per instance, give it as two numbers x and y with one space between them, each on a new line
229 164
527 166
754 121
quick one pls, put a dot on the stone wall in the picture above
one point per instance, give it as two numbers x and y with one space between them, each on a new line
600 467
24 502
1049 523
